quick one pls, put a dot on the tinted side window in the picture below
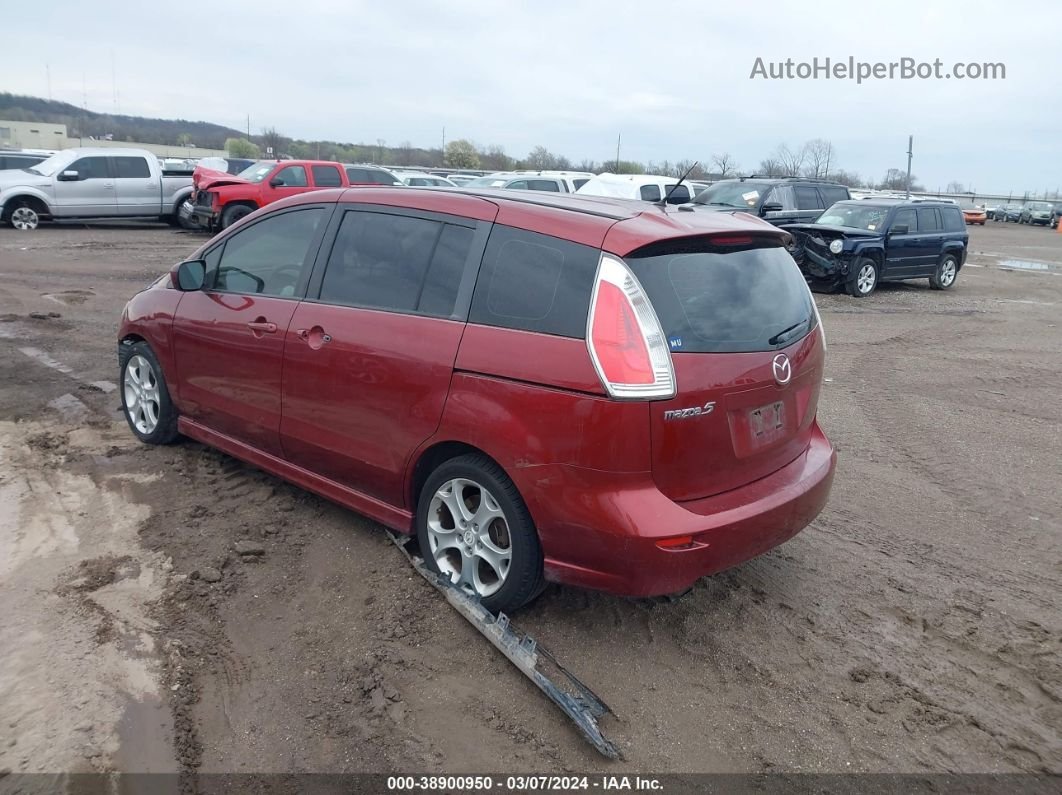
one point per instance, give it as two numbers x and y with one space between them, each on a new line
520 184
807 198
832 194
396 262
90 168
326 177
292 177
381 178
439 293
578 183
649 193
679 195
358 175
783 194
131 168
267 258
953 220
544 184
928 220
534 282
907 217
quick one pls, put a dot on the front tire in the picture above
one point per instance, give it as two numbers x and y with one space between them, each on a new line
24 217
862 278
146 401
946 274
233 213
474 529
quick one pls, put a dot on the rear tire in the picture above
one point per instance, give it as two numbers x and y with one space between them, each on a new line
489 521
946 273
233 213
862 278
146 401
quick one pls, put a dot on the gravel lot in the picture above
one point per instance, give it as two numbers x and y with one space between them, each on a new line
914 627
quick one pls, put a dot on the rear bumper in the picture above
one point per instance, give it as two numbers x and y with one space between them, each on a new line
601 530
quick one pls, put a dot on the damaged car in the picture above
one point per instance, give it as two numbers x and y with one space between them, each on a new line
855 245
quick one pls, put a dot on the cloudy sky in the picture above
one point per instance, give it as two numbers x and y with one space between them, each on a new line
673 78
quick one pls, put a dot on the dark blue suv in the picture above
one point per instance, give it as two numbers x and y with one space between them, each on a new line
856 244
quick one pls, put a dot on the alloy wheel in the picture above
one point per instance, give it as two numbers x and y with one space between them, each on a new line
866 278
947 272
25 218
141 392
469 538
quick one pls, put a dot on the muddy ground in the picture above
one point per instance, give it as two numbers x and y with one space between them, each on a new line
914 627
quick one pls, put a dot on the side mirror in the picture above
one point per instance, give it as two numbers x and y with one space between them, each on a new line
190 276
771 207
69 176
899 229
276 182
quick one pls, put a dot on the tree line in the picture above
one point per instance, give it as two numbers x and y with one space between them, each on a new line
814 158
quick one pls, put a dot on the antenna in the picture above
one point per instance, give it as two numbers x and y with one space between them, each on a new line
663 201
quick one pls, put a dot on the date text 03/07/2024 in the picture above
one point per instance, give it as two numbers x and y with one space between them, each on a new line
522 783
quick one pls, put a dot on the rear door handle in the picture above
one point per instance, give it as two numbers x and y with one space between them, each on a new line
262 327
315 337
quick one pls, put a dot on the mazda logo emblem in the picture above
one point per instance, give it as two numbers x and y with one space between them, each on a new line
783 370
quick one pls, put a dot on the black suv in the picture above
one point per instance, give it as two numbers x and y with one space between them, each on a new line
782 201
856 244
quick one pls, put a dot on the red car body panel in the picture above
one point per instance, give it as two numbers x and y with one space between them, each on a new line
228 189
608 483
377 368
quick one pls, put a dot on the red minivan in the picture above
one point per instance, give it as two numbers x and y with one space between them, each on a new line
609 394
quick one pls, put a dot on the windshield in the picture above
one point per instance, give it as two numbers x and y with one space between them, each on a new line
1039 206
733 194
714 301
855 215
52 165
256 172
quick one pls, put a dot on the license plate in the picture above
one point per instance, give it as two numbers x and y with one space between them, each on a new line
767 423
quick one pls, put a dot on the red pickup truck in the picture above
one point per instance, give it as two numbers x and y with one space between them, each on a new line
221 199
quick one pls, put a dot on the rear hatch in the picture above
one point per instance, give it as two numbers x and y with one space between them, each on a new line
741 325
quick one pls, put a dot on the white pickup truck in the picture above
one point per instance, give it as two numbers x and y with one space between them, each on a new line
92 183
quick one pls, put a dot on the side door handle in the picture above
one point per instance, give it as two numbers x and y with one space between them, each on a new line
315 337
262 326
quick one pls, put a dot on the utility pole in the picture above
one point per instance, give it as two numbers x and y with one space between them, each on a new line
444 141
248 126
618 137
910 154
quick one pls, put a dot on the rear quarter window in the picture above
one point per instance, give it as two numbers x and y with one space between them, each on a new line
953 220
534 282
832 194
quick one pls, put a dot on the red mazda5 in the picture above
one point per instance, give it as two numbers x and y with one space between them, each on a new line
609 394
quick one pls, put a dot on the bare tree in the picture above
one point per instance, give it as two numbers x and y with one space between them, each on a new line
849 178
724 165
273 142
405 153
540 159
494 157
819 153
791 161
955 187
682 166
771 167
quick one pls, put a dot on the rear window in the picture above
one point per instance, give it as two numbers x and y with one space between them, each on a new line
953 220
534 282
717 301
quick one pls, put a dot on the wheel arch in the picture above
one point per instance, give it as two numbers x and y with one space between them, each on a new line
427 460
34 199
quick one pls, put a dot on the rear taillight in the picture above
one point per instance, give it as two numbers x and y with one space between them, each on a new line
624 337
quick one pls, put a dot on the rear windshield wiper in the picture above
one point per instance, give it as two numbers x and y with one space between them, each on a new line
781 334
